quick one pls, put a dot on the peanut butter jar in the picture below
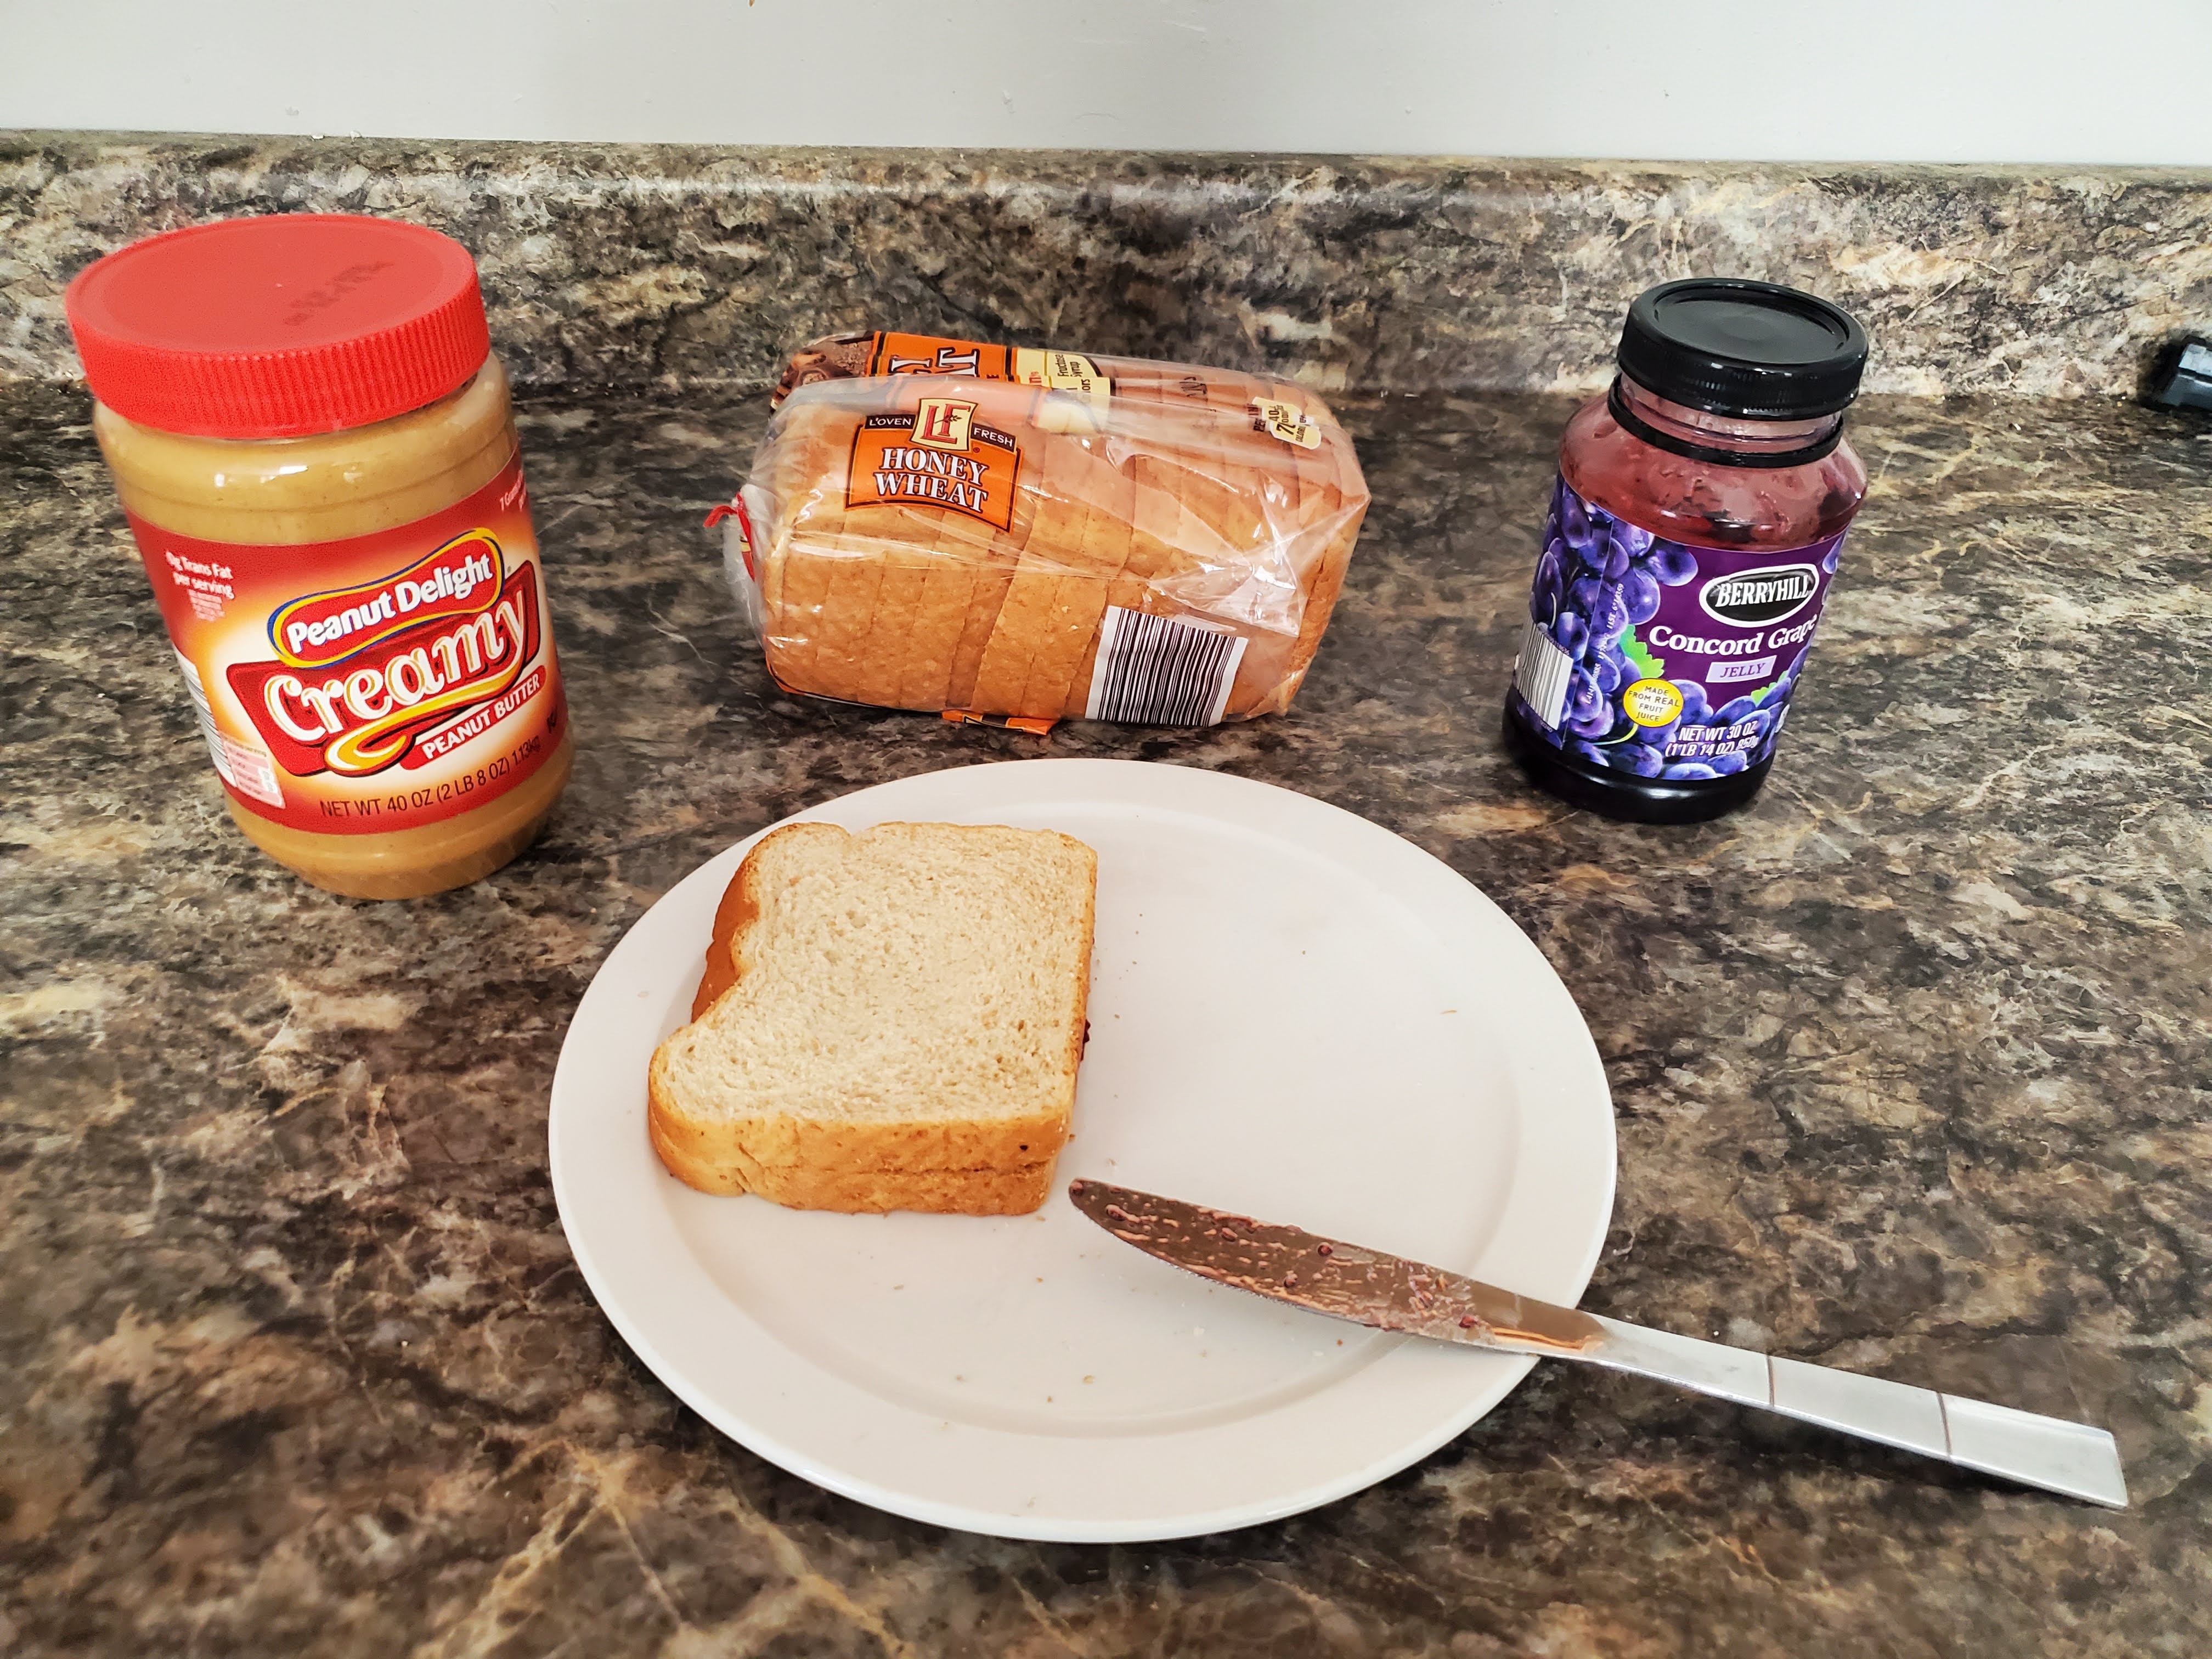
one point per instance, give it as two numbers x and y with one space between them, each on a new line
316 452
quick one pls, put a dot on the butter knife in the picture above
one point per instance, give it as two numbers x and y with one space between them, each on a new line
1345 1281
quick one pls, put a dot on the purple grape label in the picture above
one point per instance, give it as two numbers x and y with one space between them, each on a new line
1659 660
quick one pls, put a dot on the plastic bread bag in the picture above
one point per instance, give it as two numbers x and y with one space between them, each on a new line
1039 536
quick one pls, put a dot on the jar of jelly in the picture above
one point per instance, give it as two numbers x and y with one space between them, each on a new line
1691 543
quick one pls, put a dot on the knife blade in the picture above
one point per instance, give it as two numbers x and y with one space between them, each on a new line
1388 1292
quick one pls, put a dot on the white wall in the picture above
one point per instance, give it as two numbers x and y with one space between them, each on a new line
2049 80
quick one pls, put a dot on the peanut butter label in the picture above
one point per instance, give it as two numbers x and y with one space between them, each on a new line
412 680
938 456
325 628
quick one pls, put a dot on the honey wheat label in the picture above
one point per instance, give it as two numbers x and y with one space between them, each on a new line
938 456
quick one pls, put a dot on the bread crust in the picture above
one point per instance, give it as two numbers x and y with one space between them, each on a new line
733 918
1002 1166
712 1162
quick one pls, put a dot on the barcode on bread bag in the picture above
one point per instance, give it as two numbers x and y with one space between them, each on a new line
1539 674
1155 671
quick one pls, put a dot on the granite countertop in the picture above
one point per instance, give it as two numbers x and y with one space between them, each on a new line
1912 1062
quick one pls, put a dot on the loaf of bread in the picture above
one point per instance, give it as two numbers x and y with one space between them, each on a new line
1121 540
887 1021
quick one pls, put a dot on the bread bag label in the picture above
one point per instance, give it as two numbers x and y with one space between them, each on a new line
850 357
1048 370
928 354
374 684
938 456
1286 421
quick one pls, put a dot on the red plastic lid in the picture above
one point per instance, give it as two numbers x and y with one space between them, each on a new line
279 326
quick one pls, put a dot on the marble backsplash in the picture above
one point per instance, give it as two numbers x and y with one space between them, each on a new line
658 265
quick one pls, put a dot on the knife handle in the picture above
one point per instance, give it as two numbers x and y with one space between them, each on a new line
2048 1452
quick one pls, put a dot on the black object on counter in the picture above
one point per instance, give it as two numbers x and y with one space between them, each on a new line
2181 375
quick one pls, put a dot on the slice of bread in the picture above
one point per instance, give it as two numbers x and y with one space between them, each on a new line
889 1021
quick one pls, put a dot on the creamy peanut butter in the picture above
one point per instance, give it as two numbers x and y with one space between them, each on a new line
329 500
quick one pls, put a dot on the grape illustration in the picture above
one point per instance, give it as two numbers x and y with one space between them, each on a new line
1549 587
1610 615
1583 697
1639 591
1573 518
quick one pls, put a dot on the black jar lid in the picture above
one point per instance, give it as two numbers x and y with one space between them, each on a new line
1755 350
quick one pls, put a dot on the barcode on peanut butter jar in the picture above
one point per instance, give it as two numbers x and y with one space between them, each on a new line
240 765
1155 671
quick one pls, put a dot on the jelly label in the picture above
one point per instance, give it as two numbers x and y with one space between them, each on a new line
376 684
1659 660
938 456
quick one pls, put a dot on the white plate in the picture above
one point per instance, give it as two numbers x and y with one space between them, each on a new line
1293 1013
